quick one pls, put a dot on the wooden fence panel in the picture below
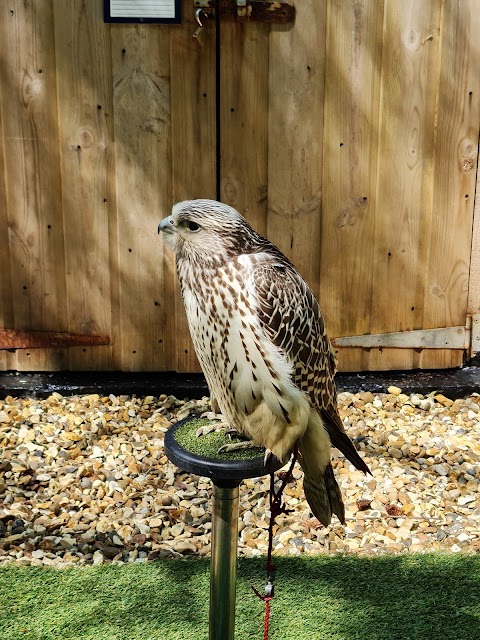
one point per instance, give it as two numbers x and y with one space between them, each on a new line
36 269
103 128
405 156
141 93
244 120
6 314
456 165
349 138
194 150
88 173
352 148
295 132
353 67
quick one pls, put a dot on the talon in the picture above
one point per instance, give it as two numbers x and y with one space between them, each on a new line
208 428
202 431
211 415
237 446
267 456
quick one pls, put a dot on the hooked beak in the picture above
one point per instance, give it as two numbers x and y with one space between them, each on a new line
167 225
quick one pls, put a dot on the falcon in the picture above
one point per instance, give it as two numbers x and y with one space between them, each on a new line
260 339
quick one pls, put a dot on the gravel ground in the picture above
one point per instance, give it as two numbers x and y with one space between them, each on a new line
84 479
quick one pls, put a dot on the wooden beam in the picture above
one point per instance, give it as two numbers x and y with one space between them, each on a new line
13 339
445 338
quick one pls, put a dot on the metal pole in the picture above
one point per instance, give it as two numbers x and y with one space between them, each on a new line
223 570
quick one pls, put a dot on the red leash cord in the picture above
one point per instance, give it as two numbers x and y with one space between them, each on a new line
276 508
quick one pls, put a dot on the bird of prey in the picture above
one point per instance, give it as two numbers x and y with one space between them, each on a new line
260 338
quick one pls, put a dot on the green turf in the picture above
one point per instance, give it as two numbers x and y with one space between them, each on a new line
336 598
208 444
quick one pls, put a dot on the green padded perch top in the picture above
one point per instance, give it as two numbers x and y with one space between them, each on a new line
199 455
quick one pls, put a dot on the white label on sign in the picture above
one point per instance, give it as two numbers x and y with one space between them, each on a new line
142 8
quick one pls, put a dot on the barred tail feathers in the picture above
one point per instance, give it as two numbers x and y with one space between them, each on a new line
320 487
323 496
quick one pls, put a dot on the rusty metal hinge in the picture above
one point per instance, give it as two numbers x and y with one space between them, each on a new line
463 337
269 12
15 339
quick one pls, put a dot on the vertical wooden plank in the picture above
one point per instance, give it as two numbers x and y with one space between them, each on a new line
141 93
406 151
88 175
295 135
193 97
32 173
244 64
458 118
350 145
474 280
6 312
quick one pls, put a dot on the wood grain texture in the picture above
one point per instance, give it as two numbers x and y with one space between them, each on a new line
88 173
456 160
6 297
32 174
295 131
193 97
350 139
142 124
410 81
352 90
244 66
474 282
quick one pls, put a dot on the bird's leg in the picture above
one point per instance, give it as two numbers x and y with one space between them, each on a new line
209 428
215 416
234 446
288 475
238 446
217 424
276 504
242 446
215 407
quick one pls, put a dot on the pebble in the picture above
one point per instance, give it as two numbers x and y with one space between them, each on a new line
85 480
396 453
394 391
441 469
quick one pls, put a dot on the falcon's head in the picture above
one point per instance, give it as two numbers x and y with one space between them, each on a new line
207 231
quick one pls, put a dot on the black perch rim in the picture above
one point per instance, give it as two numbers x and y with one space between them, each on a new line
221 472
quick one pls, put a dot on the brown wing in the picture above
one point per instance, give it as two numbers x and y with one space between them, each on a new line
291 318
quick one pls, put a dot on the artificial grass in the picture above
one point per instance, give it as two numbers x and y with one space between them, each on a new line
410 597
209 444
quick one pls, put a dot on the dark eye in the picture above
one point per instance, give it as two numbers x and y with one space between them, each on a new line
193 226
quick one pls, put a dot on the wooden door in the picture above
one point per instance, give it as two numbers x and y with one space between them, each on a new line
351 139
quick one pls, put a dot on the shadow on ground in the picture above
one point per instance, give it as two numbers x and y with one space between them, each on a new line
335 598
